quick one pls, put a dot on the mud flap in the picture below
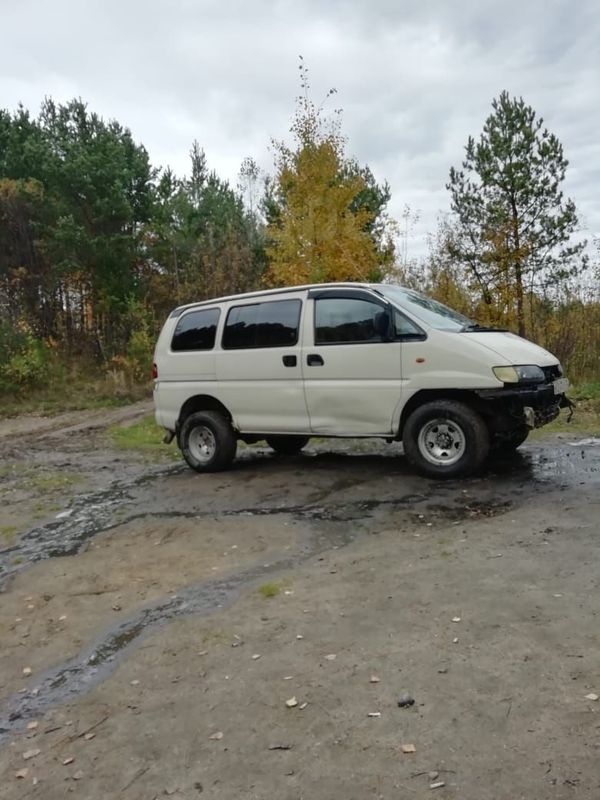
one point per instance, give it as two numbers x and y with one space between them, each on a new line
566 403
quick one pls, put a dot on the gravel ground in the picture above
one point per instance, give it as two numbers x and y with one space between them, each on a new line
157 624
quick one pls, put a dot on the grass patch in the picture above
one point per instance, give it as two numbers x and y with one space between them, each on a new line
51 482
8 533
586 415
143 436
270 589
5 470
73 390
215 636
588 393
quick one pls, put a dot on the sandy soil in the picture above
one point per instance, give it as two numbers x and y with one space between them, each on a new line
167 617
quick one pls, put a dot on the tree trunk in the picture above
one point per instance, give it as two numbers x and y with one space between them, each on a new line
519 293
518 270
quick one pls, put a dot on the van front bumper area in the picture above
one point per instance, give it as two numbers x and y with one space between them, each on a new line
532 406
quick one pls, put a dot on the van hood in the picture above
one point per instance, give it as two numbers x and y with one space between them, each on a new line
511 349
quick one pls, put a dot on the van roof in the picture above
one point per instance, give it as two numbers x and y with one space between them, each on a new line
269 292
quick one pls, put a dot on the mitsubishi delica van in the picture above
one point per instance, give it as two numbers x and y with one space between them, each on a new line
348 360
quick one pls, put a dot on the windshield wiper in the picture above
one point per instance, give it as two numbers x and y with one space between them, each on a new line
477 328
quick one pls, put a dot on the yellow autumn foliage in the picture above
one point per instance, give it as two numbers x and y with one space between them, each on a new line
318 237
324 228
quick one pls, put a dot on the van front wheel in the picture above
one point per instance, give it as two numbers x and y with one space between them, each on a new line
207 441
446 439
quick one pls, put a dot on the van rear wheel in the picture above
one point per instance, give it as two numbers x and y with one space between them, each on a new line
446 439
207 441
287 445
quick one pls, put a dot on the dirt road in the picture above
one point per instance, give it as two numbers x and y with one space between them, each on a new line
155 622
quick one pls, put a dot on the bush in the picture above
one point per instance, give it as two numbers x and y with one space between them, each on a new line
140 349
24 359
132 367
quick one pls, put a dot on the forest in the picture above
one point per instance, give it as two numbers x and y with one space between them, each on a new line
97 244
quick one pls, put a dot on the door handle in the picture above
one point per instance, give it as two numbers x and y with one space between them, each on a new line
289 361
314 360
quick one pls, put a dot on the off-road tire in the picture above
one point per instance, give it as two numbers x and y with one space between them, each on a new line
287 445
218 431
474 436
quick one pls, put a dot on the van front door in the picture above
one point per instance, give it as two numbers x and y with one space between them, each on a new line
352 371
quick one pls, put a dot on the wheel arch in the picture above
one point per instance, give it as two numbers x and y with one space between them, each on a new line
423 396
202 402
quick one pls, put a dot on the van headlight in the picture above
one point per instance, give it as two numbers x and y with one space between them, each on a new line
528 373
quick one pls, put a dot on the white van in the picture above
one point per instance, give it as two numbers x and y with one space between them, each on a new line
348 360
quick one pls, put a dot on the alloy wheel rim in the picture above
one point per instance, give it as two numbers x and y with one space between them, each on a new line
442 442
202 444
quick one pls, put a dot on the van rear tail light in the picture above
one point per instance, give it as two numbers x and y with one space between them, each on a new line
154 372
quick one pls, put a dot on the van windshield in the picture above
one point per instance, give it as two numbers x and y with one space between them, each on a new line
424 308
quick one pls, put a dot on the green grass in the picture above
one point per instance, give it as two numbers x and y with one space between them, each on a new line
37 481
74 392
586 415
7 471
589 392
8 533
51 482
143 436
270 589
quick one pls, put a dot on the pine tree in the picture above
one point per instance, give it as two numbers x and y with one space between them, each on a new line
513 223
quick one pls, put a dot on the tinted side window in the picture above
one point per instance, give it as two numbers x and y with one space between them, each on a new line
196 330
240 328
277 323
341 320
272 324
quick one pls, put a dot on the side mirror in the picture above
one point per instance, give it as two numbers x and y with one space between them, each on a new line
381 324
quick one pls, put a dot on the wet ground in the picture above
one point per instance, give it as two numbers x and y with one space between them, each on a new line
155 622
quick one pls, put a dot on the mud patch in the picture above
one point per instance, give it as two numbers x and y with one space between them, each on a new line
510 677
471 510
95 662
61 603
67 534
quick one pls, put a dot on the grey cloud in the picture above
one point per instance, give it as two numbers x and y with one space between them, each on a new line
414 79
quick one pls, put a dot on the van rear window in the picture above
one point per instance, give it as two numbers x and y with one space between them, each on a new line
196 330
273 324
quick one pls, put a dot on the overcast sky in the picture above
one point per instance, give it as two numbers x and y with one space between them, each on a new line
414 79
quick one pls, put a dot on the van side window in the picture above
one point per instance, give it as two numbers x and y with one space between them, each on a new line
196 330
273 324
404 326
344 320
